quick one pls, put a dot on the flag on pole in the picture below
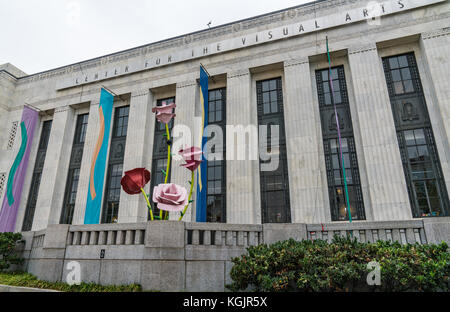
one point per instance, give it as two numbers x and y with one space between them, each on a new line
339 133
201 174
98 164
16 177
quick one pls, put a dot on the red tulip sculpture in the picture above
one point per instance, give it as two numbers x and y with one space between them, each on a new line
133 183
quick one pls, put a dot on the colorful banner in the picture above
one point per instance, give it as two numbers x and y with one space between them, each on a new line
201 175
98 165
16 176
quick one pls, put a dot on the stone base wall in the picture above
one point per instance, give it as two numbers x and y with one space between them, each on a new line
178 256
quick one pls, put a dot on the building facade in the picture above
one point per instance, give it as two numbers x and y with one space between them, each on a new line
390 73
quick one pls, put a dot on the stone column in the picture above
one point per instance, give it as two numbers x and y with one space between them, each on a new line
435 46
187 115
89 146
243 185
307 175
381 153
54 173
141 126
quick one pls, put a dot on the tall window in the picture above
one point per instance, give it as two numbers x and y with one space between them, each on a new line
115 165
216 192
336 186
426 186
274 184
36 179
160 148
74 169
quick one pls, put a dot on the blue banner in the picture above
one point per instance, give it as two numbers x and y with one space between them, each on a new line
98 165
202 183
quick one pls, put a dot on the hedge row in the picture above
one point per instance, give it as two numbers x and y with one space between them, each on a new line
319 266
22 279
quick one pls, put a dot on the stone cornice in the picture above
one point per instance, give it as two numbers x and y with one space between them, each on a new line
362 48
436 33
62 109
296 62
238 73
288 15
7 75
139 93
186 84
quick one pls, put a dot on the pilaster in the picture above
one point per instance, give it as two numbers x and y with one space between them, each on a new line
54 173
188 114
381 155
243 185
303 142
141 126
435 47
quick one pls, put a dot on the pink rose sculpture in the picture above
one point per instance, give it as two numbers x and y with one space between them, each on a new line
164 113
192 156
170 197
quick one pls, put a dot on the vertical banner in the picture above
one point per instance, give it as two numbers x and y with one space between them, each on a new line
16 176
201 174
98 165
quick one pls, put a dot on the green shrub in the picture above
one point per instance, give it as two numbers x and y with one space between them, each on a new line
8 250
21 279
319 266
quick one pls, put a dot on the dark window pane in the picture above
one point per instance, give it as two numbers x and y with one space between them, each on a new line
409 138
420 136
337 98
406 74
334 74
218 116
398 87
393 62
396 75
403 61
408 86
328 99
273 84
274 107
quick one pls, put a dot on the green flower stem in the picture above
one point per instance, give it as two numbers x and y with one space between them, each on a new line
167 170
190 196
148 204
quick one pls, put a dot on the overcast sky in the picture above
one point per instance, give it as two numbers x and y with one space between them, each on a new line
38 35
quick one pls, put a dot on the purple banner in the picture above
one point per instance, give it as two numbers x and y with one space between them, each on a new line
16 177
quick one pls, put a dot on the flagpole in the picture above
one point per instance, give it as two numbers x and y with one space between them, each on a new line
339 133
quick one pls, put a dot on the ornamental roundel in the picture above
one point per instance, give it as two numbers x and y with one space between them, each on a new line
291 13
237 27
